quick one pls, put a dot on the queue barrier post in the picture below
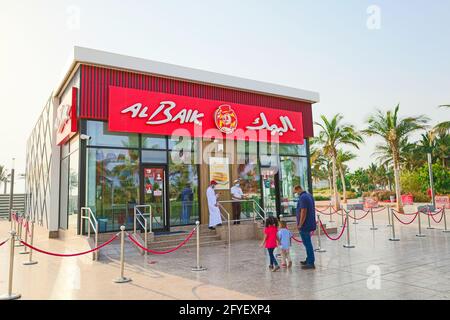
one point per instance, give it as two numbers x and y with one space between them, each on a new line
331 214
10 295
198 267
354 216
445 221
429 220
25 248
393 238
319 248
348 245
122 278
30 256
420 235
373 222
19 232
389 217
342 217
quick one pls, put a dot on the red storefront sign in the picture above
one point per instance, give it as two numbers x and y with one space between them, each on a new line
66 118
148 112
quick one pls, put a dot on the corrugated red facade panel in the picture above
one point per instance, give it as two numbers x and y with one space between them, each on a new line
95 82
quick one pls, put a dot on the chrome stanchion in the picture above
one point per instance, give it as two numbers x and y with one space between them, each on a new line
26 238
420 226
30 257
281 217
429 220
331 214
319 248
445 221
342 217
122 278
389 217
197 230
19 232
373 222
354 217
10 295
393 238
348 245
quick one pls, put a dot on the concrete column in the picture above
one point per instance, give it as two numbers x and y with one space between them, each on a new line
53 218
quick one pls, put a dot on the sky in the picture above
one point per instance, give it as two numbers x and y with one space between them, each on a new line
359 55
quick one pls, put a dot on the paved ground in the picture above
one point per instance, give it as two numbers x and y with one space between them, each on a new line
413 268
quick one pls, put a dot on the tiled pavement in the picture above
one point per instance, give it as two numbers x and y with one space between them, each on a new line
413 268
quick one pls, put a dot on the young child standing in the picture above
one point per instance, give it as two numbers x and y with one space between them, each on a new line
270 241
284 238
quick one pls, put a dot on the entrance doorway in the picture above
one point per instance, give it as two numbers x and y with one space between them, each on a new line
154 190
270 192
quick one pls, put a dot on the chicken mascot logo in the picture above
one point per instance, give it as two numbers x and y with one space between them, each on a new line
225 119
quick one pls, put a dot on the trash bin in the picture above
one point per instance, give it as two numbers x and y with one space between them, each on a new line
102 224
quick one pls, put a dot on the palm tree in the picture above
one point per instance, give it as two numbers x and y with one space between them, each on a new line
342 158
335 134
443 127
394 131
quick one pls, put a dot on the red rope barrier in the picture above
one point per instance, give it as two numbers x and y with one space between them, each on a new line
161 252
327 213
406 223
69 254
438 221
2 243
382 208
340 235
432 214
358 218
297 240
405 214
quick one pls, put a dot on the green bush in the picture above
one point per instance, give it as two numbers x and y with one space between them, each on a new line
382 195
321 198
441 178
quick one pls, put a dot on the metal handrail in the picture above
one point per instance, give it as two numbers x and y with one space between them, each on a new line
147 226
255 212
228 221
92 223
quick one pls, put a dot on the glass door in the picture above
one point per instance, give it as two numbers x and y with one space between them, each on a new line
154 190
270 191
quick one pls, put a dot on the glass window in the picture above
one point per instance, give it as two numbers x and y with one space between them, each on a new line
249 174
293 149
293 171
183 193
72 209
153 156
112 186
154 142
247 147
100 136
183 143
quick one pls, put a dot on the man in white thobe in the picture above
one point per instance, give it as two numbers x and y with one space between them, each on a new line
214 211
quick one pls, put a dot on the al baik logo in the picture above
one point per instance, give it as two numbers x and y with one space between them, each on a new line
225 119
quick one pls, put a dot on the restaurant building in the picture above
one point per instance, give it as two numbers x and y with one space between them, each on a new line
118 131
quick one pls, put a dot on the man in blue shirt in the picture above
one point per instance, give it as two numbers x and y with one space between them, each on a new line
306 223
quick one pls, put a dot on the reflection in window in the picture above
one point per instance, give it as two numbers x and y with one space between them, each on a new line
154 156
293 149
293 171
154 142
112 186
183 192
100 136
73 190
248 173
